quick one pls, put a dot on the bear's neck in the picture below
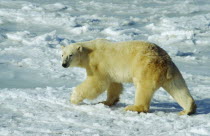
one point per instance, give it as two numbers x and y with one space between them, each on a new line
84 59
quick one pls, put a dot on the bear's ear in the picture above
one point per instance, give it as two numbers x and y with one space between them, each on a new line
80 48
62 47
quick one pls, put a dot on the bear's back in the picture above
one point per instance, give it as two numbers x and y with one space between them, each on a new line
133 47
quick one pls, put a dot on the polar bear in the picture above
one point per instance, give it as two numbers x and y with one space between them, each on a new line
109 64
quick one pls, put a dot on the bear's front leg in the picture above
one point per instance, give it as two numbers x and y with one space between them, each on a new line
89 89
113 94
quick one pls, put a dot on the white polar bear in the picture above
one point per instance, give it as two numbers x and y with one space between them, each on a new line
110 64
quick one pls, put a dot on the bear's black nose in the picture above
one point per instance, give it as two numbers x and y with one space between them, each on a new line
64 65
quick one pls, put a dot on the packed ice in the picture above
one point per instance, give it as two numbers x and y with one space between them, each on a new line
35 89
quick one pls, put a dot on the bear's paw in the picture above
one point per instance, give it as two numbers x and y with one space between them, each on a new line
76 98
138 108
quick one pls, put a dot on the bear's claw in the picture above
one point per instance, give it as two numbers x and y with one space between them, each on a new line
110 103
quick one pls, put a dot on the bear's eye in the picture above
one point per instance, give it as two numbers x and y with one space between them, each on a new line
71 55
62 55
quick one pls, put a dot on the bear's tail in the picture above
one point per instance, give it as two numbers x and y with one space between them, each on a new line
169 73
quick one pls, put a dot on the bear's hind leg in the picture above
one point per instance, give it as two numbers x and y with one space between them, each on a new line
113 94
177 88
143 96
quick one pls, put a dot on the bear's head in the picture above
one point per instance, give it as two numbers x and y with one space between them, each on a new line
71 55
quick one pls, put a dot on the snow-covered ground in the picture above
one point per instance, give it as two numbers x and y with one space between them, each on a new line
35 89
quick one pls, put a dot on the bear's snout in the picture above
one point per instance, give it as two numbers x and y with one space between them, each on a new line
64 65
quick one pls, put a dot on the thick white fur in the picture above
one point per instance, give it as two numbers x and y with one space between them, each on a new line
110 64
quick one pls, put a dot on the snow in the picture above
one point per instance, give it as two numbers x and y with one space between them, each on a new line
35 89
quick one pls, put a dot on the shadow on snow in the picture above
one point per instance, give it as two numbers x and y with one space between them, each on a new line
203 107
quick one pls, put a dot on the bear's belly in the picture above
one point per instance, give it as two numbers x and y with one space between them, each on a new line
120 76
